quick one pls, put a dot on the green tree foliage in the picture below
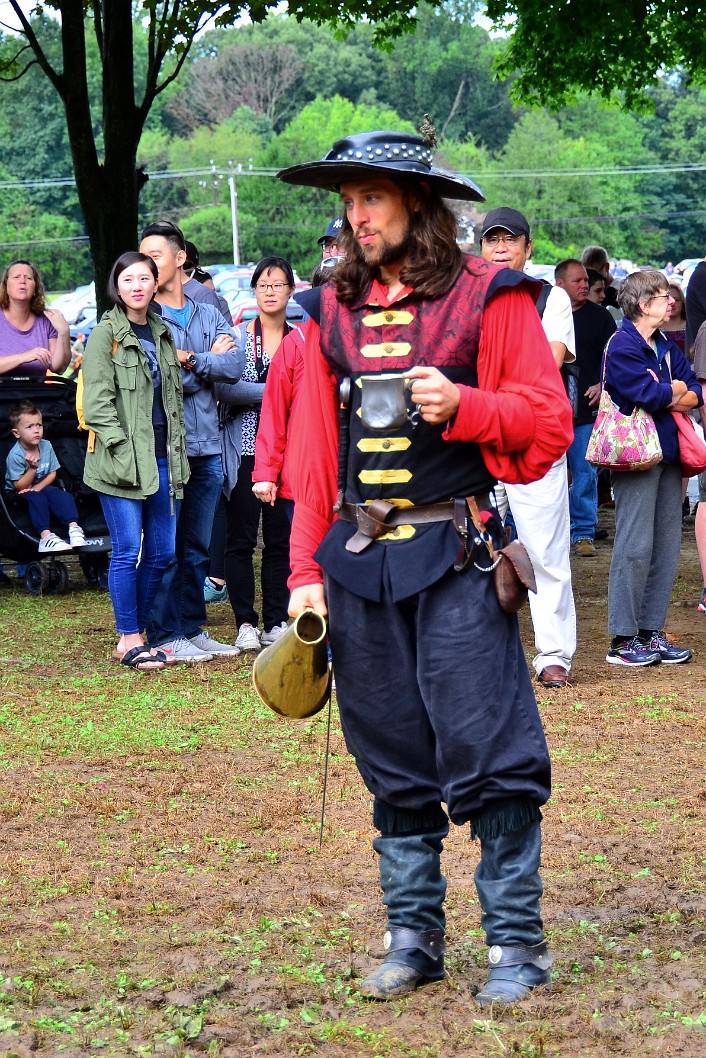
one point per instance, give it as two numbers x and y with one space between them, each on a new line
443 66
575 205
104 150
559 46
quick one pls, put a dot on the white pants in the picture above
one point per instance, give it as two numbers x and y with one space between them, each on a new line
541 514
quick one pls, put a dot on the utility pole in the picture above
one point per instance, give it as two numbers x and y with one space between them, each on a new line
234 210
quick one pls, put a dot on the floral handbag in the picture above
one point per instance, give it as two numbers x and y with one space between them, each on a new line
622 442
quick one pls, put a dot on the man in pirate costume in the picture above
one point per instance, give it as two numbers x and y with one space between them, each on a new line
451 385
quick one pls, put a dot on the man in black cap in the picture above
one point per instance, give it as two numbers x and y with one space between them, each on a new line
198 284
329 240
451 385
540 509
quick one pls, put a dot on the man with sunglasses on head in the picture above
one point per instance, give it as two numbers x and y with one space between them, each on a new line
540 509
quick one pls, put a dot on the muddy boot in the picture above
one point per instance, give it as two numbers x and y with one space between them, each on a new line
510 888
413 891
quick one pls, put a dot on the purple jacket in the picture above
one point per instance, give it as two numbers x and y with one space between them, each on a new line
627 363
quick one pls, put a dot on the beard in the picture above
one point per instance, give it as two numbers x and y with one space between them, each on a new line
385 252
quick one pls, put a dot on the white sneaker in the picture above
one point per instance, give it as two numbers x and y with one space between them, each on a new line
211 646
52 543
273 635
77 537
248 639
181 649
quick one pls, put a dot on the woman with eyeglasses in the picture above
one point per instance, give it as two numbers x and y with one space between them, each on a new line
240 403
675 326
644 368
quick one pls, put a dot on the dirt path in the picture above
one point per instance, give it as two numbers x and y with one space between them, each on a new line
162 890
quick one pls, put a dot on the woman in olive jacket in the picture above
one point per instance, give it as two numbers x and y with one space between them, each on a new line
136 459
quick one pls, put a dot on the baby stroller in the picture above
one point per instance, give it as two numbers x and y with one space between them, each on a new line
56 400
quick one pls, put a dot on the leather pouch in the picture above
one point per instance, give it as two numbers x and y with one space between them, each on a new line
513 577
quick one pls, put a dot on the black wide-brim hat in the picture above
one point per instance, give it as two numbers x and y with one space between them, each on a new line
380 154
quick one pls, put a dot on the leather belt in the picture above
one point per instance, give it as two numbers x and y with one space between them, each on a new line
379 517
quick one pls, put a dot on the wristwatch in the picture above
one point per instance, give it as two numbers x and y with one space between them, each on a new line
190 362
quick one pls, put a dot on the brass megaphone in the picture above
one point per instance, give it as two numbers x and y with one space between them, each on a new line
292 675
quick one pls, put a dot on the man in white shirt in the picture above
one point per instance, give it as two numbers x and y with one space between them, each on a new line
541 509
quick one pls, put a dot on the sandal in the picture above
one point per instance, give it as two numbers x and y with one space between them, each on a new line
158 655
142 659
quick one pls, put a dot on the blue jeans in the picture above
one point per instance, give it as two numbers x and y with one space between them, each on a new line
48 501
583 493
133 580
179 608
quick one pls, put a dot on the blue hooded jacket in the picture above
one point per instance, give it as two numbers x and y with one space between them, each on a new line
629 366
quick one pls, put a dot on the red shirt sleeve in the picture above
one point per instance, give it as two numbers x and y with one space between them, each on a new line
312 460
271 440
519 415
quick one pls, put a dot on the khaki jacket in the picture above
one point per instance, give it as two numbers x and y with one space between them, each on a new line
117 405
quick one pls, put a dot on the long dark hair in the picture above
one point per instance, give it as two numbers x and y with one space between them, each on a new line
126 260
433 260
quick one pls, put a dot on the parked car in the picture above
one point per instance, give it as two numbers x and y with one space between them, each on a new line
84 324
540 271
74 304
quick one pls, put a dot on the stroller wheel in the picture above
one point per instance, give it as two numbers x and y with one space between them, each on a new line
36 578
58 579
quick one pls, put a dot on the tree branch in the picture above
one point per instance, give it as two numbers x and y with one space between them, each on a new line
56 78
9 80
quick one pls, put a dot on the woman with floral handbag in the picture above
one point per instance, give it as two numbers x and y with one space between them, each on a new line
644 369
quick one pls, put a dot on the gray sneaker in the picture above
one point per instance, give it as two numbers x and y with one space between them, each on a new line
248 639
273 635
181 650
211 646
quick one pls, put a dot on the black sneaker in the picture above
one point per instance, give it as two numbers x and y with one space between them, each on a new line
669 653
632 651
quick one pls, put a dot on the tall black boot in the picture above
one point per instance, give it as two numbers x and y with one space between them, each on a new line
413 890
510 889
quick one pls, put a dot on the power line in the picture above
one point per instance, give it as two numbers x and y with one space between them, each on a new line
479 174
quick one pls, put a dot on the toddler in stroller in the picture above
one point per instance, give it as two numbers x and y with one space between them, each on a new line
20 539
31 470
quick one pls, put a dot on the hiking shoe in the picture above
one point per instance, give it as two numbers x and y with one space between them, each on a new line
585 548
181 650
212 593
702 604
52 543
211 646
631 650
273 635
77 537
669 653
248 639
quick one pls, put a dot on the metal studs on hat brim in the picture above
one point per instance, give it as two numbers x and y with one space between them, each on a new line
380 153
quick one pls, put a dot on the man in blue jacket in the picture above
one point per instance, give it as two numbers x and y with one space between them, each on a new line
206 351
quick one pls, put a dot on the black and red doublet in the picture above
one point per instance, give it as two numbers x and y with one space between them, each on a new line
435 698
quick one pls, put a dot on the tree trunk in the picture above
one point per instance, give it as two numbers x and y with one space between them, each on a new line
107 191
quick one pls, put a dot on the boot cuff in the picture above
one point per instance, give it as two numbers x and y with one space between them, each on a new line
389 819
504 817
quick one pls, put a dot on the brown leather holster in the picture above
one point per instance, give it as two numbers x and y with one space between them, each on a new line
380 516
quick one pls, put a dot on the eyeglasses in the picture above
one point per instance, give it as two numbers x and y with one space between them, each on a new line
656 296
506 237
276 288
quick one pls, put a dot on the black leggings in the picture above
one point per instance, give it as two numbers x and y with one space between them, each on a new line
243 513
